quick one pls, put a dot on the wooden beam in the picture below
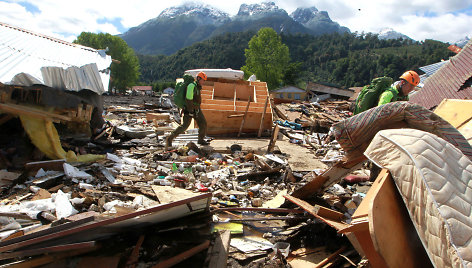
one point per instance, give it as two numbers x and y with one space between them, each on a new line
244 118
331 175
47 165
219 252
28 111
183 256
45 250
134 256
328 213
331 257
262 117
273 139
391 229
337 224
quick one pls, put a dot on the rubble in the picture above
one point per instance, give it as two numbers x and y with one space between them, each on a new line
136 174
243 202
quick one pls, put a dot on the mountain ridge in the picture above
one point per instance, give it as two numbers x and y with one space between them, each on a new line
180 26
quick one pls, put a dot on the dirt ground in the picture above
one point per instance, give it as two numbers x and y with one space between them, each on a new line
299 157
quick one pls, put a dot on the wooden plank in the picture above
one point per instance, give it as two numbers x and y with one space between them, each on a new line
49 258
456 112
183 256
364 207
244 118
267 210
360 225
52 249
328 213
50 230
134 256
25 110
273 139
393 235
219 252
331 175
338 225
99 261
262 118
142 214
157 116
46 165
331 257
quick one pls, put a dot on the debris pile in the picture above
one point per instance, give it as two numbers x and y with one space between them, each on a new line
244 187
240 202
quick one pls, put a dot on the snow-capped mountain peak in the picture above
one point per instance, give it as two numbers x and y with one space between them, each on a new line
304 15
194 9
389 33
461 43
257 9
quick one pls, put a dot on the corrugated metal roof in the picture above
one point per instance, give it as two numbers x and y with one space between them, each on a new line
28 58
432 68
448 81
289 89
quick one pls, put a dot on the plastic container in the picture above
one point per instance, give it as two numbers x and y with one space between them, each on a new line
283 247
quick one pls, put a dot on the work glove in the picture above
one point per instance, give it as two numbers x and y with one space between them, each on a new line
194 112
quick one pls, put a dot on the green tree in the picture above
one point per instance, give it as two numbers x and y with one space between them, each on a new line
267 57
125 68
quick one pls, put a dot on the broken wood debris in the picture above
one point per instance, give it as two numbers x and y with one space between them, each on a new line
138 180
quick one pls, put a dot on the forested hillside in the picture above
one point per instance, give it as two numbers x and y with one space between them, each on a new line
344 60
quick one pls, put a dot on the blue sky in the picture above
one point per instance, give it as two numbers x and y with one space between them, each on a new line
443 20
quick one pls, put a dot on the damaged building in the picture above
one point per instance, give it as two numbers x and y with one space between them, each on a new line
45 81
273 189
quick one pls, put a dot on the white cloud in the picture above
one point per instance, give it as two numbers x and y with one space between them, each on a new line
419 19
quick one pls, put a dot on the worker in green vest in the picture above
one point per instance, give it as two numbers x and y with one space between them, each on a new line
193 100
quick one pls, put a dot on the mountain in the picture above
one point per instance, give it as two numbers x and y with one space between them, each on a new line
182 26
461 43
317 21
255 16
175 28
259 9
389 33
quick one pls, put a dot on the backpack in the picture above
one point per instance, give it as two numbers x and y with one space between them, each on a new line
181 91
370 94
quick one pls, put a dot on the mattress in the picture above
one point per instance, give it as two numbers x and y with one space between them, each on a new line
434 180
355 133
218 73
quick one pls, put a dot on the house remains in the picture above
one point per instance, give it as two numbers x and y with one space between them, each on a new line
280 185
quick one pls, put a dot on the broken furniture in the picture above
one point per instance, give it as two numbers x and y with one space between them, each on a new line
383 231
